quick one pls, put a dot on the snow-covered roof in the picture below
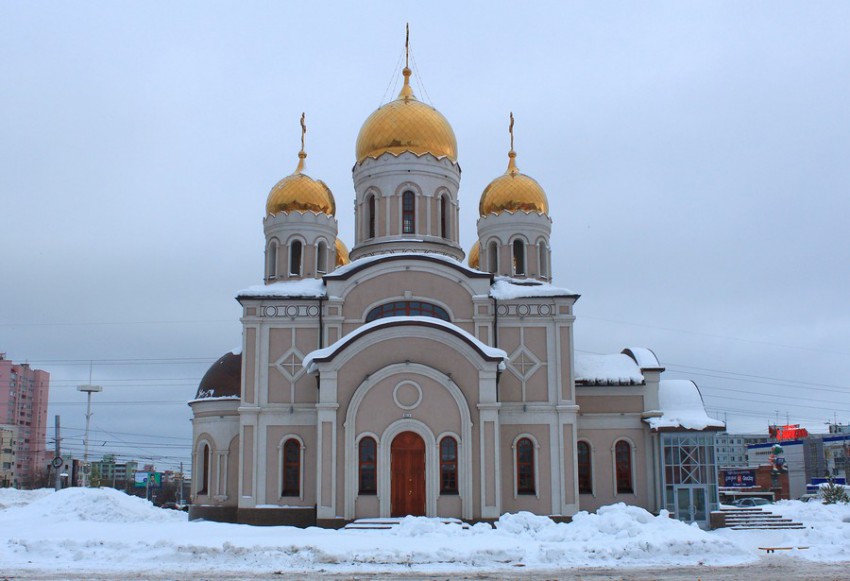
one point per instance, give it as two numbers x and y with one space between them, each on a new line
310 288
645 358
506 288
329 351
361 262
613 369
682 407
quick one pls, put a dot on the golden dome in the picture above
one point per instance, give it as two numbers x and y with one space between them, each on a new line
474 253
406 124
341 253
513 191
299 192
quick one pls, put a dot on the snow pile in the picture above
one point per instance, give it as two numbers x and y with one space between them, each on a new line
11 498
621 535
104 533
682 407
610 369
103 505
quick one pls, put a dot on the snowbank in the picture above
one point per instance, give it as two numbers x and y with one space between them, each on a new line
101 530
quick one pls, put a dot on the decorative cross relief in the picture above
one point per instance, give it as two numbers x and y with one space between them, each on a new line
523 363
289 364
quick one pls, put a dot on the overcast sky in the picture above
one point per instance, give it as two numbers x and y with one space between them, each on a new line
695 157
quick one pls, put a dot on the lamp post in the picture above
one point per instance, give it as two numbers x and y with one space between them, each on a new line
88 390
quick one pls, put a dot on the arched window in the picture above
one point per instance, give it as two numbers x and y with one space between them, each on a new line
444 216
448 465
205 470
408 213
295 258
623 459
525 467
519 257
271 257
542 256
291 468
585 471
493 257
367 466
370 216
322 257
407 309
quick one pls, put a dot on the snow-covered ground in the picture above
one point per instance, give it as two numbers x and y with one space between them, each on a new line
105 532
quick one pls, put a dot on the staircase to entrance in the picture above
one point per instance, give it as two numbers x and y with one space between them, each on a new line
746 519
385 524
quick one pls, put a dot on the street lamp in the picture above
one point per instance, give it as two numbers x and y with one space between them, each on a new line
88 390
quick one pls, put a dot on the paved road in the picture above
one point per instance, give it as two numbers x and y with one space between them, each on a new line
770 568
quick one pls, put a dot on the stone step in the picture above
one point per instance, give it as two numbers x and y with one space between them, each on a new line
791 526
384 524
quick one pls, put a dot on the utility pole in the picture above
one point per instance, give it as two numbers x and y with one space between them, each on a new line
88 390
181 485
57 460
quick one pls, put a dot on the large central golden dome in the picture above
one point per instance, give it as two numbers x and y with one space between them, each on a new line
406 124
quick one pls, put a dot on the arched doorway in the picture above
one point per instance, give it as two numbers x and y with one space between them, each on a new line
407 475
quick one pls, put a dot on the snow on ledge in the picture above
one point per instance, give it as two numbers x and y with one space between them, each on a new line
310 366
311 288
682 407
377 257
506 288
215 398
609 369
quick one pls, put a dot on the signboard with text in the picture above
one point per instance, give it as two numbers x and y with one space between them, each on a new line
739 478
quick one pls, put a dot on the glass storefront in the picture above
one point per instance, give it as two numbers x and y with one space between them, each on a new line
689 475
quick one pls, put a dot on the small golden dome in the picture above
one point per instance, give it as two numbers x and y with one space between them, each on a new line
299 192
474 253
341 253
406 124
513 191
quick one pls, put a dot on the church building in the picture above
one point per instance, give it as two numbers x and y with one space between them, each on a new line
407 377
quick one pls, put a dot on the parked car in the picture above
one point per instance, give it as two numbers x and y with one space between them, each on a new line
175 506
808 497
752 501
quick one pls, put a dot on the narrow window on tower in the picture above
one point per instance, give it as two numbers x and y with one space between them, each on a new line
493 257
370 216
542 256
444 216
408 213
367 455
272 260
295 258
519 258
448 465
291 468
322 257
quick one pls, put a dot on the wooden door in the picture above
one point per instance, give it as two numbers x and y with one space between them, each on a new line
407 476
